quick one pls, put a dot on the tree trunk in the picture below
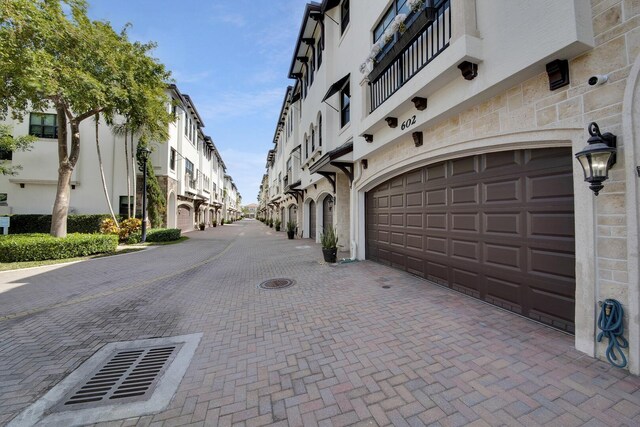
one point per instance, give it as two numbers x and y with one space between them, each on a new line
104 181
61 204
135 174
126 162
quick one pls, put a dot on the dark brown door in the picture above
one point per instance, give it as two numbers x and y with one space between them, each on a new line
312 220
499 227
327 213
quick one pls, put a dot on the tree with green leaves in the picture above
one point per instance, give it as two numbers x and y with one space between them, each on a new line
9 144
52 56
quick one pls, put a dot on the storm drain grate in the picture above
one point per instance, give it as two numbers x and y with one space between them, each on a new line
276 284
129 375
121 380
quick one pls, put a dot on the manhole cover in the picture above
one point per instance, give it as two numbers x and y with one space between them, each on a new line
121 380
276 284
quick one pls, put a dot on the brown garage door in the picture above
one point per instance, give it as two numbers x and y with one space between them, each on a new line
499 227
185 223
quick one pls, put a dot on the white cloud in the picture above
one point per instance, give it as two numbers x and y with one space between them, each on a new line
243 103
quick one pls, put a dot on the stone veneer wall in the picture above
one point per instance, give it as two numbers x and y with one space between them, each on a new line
563 115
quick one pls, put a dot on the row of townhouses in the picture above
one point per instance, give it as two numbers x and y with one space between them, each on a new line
189 168
439 137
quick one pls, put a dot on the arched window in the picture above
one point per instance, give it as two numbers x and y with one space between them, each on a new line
313 139
320 131
306 147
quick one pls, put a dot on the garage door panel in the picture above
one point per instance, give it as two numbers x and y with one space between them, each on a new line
503 256
464 166
465 222
436 172
551 263
498 226
464 194
436 245
465 281
414 220
467 250
437 197
397 182
397 239
504 293
503 223
437 273
415 241
502 160
436 221
414 199
546 187
551 224
503 191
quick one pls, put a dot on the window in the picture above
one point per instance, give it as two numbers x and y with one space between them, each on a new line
320 131
43 125
289 165
319 52
186 125
311 69
344 13
3 197
306 147
172 160
396 8
125 207
313 139
188 168
345 104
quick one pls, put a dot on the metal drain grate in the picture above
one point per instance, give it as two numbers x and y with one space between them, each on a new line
121 380
126 376
276 284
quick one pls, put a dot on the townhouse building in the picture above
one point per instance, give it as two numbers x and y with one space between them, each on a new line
189 169
439 137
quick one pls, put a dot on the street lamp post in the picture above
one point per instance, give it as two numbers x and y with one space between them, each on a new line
143 154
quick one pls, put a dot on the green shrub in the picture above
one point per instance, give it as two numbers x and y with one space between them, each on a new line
163 234
39 247
135 237
23 224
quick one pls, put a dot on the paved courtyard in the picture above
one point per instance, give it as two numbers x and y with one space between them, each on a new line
335 349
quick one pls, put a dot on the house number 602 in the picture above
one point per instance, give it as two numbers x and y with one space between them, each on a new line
409 122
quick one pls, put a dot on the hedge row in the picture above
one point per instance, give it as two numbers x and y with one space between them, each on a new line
163 234
24 224
39 247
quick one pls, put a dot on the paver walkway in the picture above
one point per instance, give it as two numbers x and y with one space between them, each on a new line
335 349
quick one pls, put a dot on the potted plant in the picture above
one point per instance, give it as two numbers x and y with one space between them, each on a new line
277 224
201 226
329 241
222 221
291 229
270 223
214 223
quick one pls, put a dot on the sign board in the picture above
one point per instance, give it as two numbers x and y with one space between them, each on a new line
4 221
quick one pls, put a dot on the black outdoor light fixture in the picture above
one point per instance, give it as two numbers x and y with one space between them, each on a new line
597 157
143 156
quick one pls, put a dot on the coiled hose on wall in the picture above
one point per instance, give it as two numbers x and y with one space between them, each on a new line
610 322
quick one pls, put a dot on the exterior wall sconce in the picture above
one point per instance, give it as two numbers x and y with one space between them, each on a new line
469 70
392 122
417 138
22 185
365 163
368 137
597 157
420 103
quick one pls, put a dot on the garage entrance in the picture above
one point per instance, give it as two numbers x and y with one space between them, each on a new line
498 227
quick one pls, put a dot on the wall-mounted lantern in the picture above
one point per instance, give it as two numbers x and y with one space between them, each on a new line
597 157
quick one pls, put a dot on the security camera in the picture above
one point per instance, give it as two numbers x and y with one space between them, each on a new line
598 80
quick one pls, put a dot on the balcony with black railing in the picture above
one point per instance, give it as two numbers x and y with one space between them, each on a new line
427 35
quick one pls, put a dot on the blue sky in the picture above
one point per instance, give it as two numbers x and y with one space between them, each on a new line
232 57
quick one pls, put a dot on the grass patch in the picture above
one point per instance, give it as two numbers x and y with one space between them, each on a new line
8 266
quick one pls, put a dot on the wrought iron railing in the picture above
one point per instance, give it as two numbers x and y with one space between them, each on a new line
425 39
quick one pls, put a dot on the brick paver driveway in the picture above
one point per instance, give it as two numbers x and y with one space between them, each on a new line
335 349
